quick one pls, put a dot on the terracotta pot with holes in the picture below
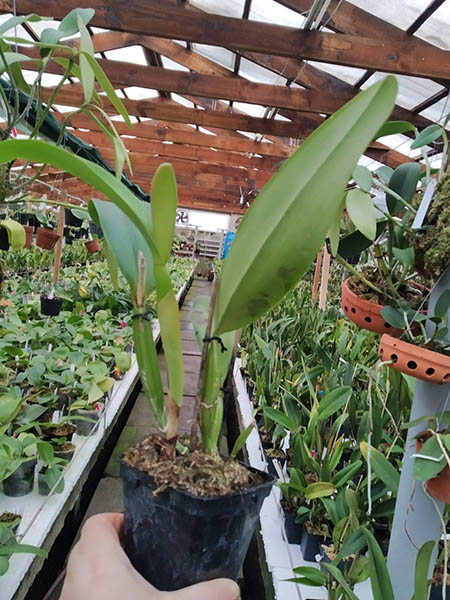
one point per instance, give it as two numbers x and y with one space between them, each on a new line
415 361
364 313
438 487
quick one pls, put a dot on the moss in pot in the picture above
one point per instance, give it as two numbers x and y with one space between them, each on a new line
277 241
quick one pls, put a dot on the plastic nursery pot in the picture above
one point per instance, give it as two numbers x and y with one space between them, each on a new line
382 535
438 487
28 235
43 488
46 238
51 307
292 529
436 591
65 451
4 240
20 483
310 544
84 428
92 246
175 539
414 360
364 313
66 430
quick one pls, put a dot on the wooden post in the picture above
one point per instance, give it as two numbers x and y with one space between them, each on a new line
316 276
324 281
58 246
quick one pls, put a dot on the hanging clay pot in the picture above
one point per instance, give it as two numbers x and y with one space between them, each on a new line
364 313
415 361
28 235
46 238
438 487
92 246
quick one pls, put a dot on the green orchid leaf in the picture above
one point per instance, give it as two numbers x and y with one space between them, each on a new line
427 136
393 316
363 178
404 182
164 208
382 468
86 73
361 211
394 127
379 575
70 24
421 582
405 255
319 489
281 233
426 468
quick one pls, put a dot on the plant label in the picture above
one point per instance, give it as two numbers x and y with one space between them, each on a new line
56 416
424 205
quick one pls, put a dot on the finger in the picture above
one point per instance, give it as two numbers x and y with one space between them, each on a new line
217 589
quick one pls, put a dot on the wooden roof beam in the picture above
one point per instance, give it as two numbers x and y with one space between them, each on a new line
164 21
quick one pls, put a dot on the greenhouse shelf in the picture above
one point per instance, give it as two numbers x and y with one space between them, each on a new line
281 557
43 516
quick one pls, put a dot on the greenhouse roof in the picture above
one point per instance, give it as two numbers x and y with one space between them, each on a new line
226 89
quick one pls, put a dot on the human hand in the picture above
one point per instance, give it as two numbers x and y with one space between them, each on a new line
98 568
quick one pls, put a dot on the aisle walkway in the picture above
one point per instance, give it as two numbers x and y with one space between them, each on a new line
108 495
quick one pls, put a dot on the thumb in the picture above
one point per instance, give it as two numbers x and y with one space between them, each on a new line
217 589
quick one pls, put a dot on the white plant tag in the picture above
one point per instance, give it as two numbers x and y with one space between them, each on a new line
56 416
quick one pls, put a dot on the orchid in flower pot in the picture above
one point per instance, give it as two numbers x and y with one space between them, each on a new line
189 512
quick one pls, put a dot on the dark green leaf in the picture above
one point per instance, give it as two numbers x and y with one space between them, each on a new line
404 182
393 316
427 136
393 127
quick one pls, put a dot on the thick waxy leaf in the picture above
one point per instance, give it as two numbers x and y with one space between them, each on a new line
421 583
379 575
12 57
384 173
393 127
337 575
8 549
363 177
70 24
404 255
16 21
16 233
309 576
443 304
333 401
432 463
116 229
279 417
356 242
164 208
393 316
319 489
86 72
404 182
427 136
362 212
382 468
90 173
282 232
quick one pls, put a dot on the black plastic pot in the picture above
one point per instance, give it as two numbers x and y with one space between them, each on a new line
436 592
175 539
4 240
310 544
84 428
71 220
21 482
43 488
51 307
293 530
65 399
65 454
381 533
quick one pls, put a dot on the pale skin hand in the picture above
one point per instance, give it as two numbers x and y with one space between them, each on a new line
99 569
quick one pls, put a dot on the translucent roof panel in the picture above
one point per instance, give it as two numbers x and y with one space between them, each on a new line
438 111
249 109
348 74
220 55
254 72
400 13
170 64
230 8
435 29
411 90
270 11
133 54
138 93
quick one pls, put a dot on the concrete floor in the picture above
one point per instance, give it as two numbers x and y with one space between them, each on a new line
108 495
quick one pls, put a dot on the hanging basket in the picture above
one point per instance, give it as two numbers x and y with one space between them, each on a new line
92 246
364 313
28 235
415 361
438 487
46 238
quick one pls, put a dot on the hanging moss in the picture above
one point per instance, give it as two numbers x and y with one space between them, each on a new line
432 247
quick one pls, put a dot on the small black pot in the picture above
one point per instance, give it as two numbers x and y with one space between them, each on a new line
84 428
65 454
51 307
43 488
293 530
65 399
310 544
175 539
4 240
20 483
71 220
436 592
381 533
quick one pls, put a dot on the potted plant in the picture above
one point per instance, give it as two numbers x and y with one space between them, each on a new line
427 354
217 511
93 245
50 473
431 461
46 238
19 456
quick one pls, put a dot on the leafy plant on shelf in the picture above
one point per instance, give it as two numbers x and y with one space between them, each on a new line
277 241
